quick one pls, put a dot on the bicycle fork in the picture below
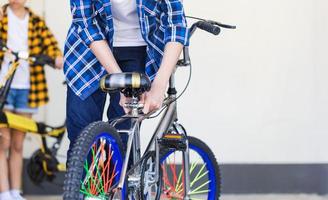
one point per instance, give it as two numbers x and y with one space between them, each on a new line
187 172
132 144
186 160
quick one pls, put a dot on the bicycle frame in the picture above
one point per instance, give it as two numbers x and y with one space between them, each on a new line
168 120
6 86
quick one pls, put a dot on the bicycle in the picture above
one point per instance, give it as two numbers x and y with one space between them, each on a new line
43 164
98 165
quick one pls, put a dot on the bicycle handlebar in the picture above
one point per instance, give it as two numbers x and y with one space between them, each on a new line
210 26
43 59
227 26
206 26
40 59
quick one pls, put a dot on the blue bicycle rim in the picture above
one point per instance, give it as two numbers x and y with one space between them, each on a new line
209 166
117 156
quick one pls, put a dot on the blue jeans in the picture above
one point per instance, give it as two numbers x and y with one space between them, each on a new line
80 113
17 101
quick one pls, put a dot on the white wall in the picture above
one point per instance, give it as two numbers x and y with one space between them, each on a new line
259 93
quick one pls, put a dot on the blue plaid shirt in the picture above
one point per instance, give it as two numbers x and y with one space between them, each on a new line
161 21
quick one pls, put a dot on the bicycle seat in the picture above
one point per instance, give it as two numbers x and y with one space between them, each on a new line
130 83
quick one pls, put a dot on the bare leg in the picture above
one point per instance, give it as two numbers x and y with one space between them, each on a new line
16 158
4 147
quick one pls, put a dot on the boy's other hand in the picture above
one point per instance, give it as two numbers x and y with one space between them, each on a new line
153 99
123 101
59 62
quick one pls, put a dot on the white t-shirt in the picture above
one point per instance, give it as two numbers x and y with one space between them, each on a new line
126 24
17 41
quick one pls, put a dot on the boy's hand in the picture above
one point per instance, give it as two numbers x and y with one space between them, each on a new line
123 101
59 62
154 98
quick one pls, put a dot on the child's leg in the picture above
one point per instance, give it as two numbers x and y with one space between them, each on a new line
16 158
4 147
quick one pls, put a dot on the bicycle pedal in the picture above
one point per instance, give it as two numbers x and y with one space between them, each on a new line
173 141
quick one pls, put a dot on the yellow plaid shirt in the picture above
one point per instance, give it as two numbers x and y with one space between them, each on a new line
40 41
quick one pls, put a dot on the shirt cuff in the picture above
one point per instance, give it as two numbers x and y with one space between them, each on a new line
91 33
177 34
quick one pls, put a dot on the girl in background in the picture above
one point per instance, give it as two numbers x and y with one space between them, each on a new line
22 30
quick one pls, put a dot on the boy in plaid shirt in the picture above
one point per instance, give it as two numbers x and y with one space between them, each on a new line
111 36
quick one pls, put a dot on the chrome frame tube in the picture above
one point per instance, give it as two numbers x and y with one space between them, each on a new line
127 154
187 172
157 162
136 144
167 119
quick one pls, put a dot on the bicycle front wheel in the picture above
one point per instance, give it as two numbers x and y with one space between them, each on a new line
204 173
94 164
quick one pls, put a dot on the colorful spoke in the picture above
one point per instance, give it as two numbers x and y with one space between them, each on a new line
199 175
174 179
101 172
180 181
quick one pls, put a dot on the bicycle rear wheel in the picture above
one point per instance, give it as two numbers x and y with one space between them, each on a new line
205 181
94 164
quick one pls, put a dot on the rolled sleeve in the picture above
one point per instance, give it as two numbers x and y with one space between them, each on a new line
91 33
84 17
174 22
177 34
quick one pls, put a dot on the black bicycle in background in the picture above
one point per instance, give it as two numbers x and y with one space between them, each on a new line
173 166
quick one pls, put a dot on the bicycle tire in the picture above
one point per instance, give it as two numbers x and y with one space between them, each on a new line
198 146
80 152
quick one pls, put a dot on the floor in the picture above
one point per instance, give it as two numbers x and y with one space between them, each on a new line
274 197
236 197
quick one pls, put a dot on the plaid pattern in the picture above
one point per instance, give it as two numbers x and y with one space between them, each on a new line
161 21
40 41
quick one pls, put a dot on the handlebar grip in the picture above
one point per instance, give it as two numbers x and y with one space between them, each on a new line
44 60
3 46
206 26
